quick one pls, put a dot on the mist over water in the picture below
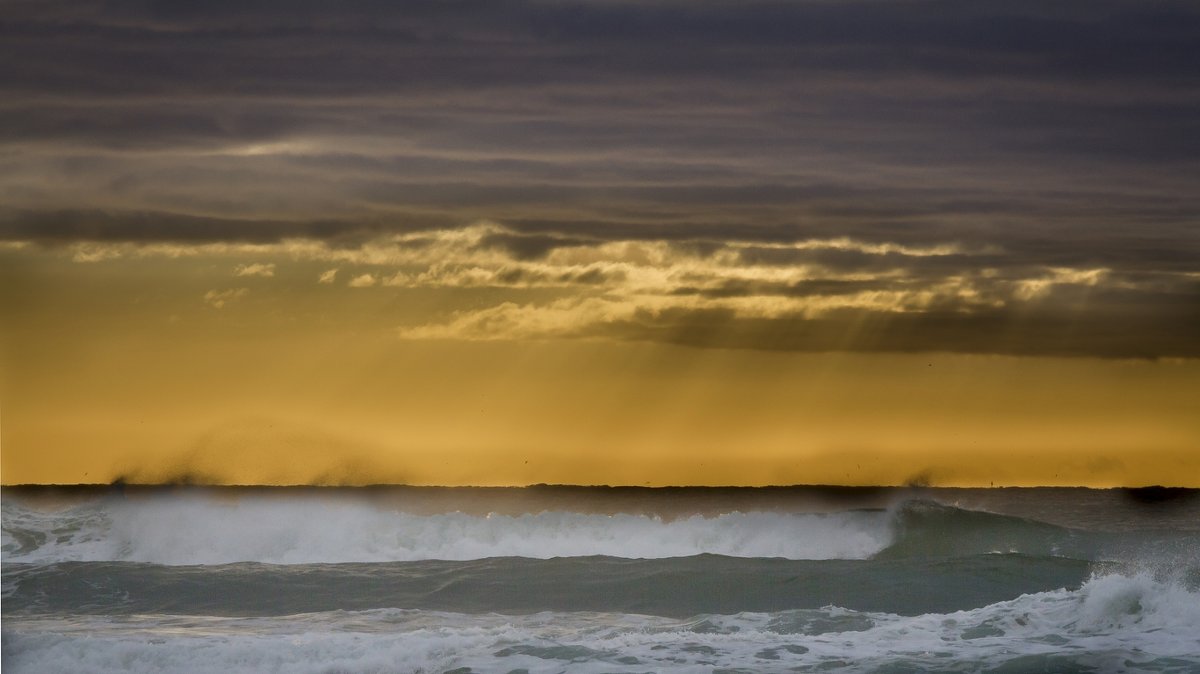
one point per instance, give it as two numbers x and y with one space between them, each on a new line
600 580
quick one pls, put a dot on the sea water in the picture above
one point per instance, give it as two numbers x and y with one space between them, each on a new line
566 579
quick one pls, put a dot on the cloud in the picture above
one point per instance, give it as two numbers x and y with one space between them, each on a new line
837 293
765 174
1034 288
530 42
89 252
1029 332
219 299
712 296
265 270
1049 132
508 321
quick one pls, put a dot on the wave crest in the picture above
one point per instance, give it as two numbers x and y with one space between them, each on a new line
195 529
185 531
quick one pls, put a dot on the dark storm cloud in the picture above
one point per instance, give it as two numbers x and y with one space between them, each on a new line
530 246
1148 327
1026 137
57 227
306 47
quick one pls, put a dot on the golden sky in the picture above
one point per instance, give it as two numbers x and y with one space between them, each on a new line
260 366
701 242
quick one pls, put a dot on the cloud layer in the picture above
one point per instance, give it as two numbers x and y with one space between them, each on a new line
808 295
968 176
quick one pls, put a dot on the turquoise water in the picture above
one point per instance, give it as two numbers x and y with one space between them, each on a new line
596 580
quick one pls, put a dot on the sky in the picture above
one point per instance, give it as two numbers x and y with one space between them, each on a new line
600 242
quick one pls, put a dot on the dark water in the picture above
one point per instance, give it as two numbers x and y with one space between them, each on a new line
600 580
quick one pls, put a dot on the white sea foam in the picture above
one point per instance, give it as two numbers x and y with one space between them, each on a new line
198 530
1112 623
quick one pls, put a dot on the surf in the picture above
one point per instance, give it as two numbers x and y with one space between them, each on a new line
1138 622
198 529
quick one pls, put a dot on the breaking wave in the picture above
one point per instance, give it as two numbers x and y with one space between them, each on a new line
199 530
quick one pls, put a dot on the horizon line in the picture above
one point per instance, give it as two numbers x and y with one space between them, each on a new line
120 484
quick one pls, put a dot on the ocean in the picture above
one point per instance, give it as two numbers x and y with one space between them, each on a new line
579 579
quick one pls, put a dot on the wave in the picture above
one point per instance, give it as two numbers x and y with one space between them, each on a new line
186 530
930 529
678 586
197 530
1134 622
